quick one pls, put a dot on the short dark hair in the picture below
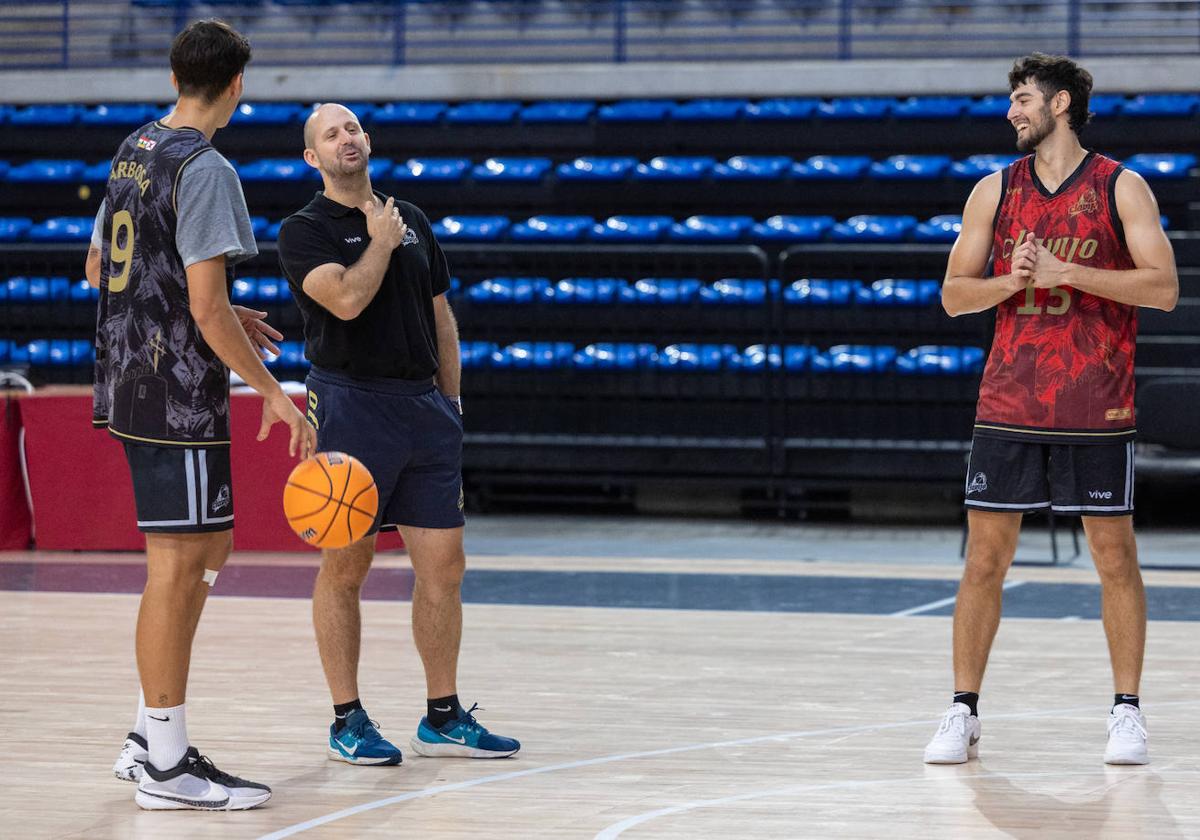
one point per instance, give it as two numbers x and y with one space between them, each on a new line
206 57
1052 73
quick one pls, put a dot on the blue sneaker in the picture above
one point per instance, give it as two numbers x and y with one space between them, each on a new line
463 738
359 742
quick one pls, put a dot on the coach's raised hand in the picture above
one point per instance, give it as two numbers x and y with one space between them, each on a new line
384 224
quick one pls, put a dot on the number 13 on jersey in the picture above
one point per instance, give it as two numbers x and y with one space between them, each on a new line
1060 296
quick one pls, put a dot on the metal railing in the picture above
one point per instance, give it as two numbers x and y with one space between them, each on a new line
130 33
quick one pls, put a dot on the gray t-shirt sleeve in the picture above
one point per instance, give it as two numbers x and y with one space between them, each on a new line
98 227
212 215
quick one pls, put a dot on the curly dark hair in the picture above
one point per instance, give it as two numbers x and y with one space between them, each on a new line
206 57
1052 73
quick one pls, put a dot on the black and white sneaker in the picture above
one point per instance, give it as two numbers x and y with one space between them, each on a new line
195 784
128 766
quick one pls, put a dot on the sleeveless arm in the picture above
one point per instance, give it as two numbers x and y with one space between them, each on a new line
965 289
1153 283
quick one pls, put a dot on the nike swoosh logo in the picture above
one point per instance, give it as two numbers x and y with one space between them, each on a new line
974 741
348 751
161 720
462 740
440 709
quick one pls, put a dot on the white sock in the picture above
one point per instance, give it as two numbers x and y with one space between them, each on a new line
139 722
166 735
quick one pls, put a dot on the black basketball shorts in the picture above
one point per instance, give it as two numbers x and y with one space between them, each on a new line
180 489
1009 476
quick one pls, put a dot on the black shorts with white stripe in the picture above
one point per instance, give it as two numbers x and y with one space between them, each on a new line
181 489
1009 476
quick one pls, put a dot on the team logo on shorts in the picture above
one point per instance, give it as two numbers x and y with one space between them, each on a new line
223 498
977 484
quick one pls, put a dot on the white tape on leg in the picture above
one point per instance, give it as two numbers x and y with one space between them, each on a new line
210 576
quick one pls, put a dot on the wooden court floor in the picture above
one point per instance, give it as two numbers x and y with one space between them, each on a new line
636 723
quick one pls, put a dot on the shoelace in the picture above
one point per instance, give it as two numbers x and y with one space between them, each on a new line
955 719
359 730
203 766
468 719
1128 723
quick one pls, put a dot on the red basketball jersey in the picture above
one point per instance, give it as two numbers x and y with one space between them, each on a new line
1061 366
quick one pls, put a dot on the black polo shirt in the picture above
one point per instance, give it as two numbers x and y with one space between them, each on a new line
395 336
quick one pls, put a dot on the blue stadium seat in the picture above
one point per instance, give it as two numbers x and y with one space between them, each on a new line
267 114
432 169
989 106
1172 166
291 355
272 290
511 169
1162 105
938 229
45 116
904 292
593 290
932 107
471 228
621 356
666 291
96 173
3 169
14 228
977 166
63 229
597 169
47 172
753 167
910 167
482 113
680 357
551 229
37 352
47 289
844 167
5 113
854 358
5 349
1105 104
792 229
409 113
782 108
83 352
797 357
476 354
665 168
759 356
856 108
530 354
16 289
636 110
631 229
277 169
573 112
259 225
365 111
511 290
710 229
271 234
733 291
59 352
245 290
937 360
82 291
818 292
698 110
124 114
873 229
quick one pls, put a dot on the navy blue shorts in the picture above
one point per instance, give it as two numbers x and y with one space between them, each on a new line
406 433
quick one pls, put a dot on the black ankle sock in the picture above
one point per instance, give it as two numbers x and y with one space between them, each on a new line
1128 699
970 698
341 711
442 710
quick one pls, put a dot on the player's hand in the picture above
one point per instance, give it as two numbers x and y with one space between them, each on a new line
261 334
384 224
280 408
1048 270
1024 258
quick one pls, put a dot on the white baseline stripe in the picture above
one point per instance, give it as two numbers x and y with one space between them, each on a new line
616 829
945 602
354 810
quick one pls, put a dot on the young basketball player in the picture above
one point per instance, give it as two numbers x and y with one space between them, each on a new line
371 280
1077 247
172 224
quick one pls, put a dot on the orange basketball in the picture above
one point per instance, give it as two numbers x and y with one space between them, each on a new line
330 500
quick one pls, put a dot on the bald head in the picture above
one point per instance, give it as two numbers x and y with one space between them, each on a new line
323 118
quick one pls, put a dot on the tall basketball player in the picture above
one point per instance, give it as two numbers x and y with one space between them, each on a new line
172 224
1077 247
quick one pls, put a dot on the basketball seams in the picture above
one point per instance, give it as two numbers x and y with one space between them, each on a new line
357 488
350 507
333 517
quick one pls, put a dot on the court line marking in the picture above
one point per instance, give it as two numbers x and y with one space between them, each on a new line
424 793
617 829
945 602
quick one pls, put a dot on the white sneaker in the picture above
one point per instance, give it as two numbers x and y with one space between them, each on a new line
956 739
1126 736
128 766
194 783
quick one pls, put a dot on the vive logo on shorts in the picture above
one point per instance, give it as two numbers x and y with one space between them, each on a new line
1100 494
978 484
223 498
